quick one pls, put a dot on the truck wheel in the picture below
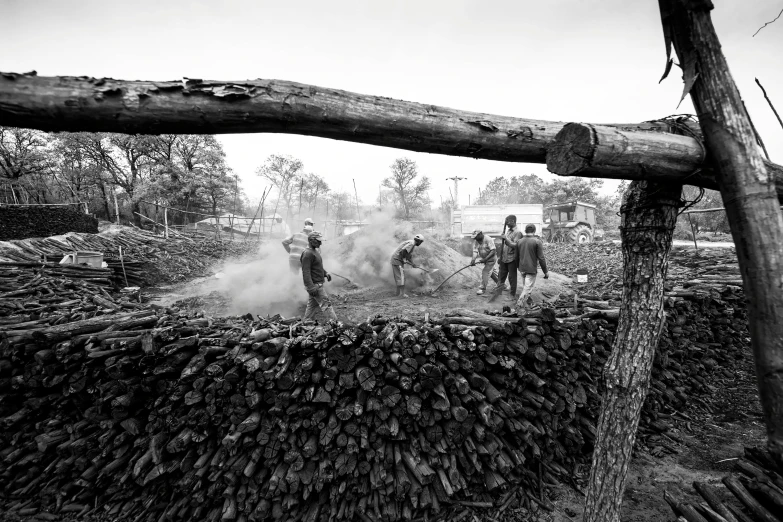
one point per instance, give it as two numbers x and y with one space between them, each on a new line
580 234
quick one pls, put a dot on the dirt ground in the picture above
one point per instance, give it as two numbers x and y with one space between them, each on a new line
713 432
712 440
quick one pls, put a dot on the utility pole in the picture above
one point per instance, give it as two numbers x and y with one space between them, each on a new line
456 179
356 193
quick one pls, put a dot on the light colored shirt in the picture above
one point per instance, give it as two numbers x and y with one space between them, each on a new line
296 244
403 252
484 249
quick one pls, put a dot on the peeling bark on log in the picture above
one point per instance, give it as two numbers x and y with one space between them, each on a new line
192 106
748 192
649 214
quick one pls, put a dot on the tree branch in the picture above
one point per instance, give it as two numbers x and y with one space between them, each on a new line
765 25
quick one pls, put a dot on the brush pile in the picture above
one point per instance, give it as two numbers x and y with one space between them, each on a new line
148 258
146 414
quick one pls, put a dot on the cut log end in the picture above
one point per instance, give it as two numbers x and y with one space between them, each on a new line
572 149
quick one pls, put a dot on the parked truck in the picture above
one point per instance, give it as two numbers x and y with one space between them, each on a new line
490 219
572 222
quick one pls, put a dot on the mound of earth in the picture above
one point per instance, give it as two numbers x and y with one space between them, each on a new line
364 257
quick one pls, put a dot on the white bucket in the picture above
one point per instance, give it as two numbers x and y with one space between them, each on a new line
581 276
93 259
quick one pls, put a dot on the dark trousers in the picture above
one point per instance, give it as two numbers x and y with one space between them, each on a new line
508 270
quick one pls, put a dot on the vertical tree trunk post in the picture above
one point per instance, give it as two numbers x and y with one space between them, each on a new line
693 232
299 210
116 206
748 193
166 222
648 213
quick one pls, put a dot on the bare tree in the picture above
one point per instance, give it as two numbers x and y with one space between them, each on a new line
284 172
409 194
22 153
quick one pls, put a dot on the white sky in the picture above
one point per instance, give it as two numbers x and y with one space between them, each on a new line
566 60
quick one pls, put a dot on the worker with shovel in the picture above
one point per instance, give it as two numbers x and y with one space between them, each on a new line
295 244
402 254
508 262
484 251
314 276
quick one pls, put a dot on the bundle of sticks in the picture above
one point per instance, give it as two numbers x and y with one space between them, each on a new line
153 415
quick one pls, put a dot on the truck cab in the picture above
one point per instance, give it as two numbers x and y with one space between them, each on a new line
571 222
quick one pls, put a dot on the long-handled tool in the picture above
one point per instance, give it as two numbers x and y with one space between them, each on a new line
425 270
496 276
452 275
341 277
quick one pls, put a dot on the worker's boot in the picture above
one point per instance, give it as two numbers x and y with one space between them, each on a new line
403 295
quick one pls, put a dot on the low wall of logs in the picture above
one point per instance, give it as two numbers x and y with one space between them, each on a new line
24 222
140 413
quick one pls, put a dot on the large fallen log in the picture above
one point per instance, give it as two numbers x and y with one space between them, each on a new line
194 106
599 151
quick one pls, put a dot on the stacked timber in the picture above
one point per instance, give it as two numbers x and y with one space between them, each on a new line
146 414
383 420
754 492
148 258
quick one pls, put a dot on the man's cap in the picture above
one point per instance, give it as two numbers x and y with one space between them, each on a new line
529 229
476 233
309 221
419 237
315 235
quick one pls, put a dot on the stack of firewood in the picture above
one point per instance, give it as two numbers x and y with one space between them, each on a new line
382 420
149 415
148 258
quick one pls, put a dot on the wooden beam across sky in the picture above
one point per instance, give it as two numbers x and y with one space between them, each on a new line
192 106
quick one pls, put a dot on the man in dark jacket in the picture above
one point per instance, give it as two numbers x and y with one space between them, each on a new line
530 253
508 262
314 275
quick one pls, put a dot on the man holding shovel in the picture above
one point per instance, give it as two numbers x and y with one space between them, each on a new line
484 251
402 254
508 262
314 276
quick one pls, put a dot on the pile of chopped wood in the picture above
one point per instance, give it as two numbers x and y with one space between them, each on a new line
147 258
52 294
757 487
150 415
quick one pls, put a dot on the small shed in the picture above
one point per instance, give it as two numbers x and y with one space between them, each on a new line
268 226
